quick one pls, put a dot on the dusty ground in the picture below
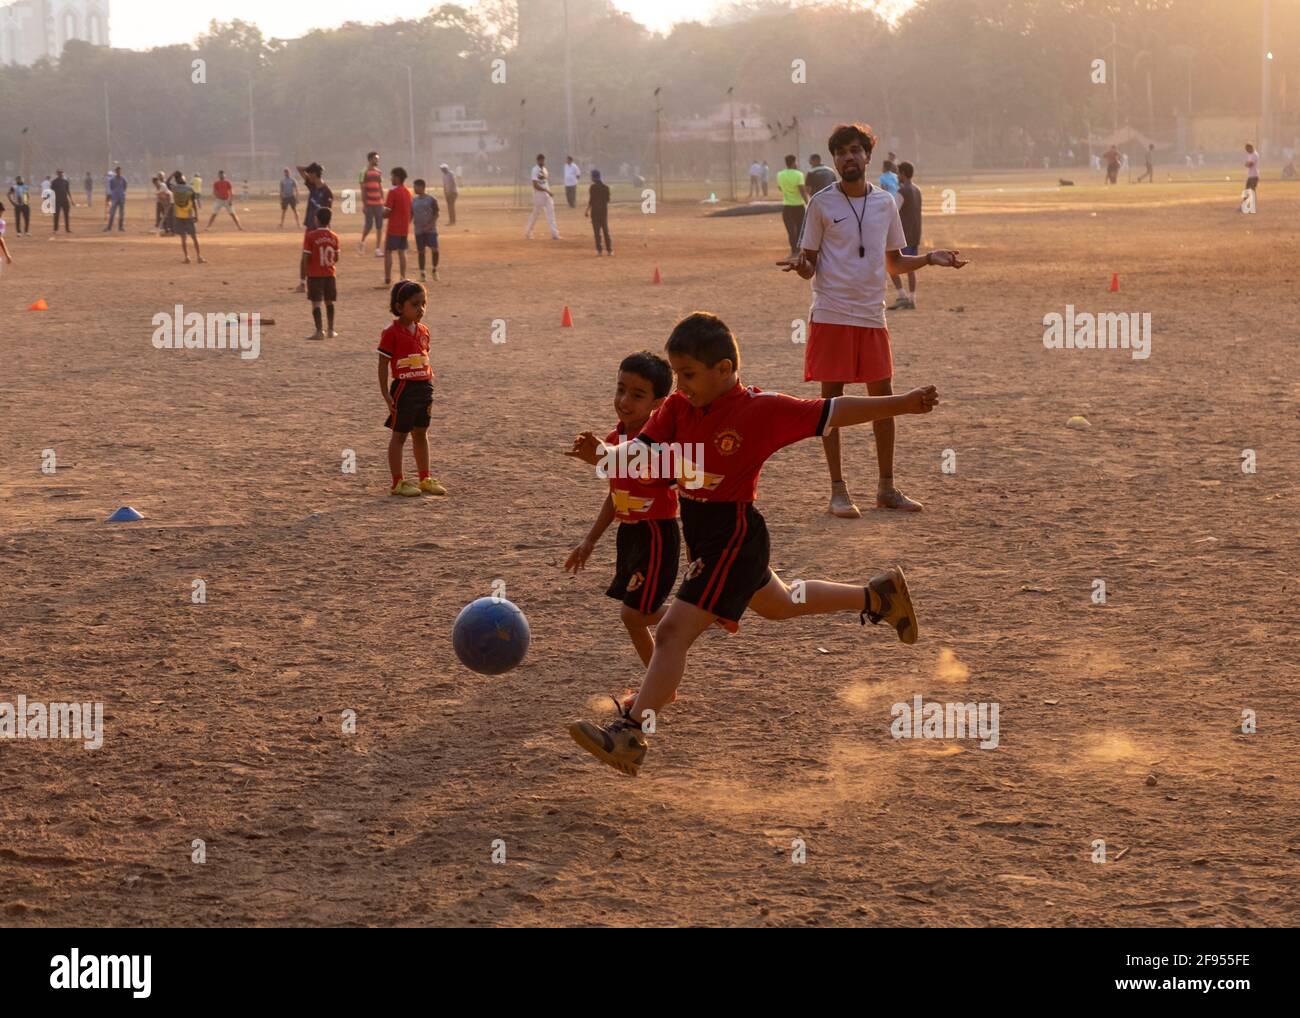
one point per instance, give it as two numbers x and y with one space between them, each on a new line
324 594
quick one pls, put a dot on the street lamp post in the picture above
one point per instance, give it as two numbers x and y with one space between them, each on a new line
731 158
410 98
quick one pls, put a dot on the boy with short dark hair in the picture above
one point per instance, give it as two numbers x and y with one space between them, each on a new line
397 218
738 428
424 219
320 255
646 509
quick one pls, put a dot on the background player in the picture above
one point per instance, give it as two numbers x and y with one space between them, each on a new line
320 255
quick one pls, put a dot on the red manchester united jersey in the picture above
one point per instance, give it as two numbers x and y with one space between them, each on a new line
322 247
737 432
407 352
644 499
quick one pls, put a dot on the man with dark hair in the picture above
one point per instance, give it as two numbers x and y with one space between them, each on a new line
319 196
793 196
62 188
372 198
852 236
818 176
572 173
543 203
909 211
598 210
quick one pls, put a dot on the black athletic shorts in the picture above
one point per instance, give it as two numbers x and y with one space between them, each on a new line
414 403
646 568
322 288
727 552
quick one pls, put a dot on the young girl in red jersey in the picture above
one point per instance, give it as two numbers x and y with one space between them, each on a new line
404 353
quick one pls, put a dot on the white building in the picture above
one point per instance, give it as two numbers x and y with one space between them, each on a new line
458 139
32 29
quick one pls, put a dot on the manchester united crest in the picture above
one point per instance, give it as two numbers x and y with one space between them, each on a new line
727 441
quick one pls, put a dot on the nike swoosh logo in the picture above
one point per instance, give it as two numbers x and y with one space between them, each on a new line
841 219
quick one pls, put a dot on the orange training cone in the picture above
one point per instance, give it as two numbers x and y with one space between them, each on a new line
1114 282
567 317
657 278
40 305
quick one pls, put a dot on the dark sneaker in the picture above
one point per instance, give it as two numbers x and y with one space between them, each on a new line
621 743
895 604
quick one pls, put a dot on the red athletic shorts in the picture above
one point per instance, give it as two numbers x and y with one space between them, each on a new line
847 353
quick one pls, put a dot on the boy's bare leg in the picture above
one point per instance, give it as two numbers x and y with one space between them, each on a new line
388 267
884 598
420 447
395 443
680 627
638 627
887 495
401 263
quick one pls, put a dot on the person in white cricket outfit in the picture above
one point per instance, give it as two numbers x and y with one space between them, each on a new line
572 173
542 200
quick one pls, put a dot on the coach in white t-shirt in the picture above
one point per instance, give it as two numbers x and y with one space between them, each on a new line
571 177
542 200
851 239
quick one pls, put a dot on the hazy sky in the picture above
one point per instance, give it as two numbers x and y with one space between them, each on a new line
139 24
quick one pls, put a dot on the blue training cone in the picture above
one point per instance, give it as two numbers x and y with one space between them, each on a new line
125 515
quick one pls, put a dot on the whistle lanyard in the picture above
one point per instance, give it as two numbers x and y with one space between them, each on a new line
862 250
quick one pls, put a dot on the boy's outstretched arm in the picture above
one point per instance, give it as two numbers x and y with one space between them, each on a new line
578 557
849 410
588 448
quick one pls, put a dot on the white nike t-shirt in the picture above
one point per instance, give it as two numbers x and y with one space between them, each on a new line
848 290
542 177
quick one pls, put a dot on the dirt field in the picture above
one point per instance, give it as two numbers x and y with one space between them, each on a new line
222 720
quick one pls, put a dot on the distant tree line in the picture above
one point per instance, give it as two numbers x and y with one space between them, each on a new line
1007 78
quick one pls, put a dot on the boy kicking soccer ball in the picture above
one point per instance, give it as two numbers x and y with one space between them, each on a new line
648 540
738 428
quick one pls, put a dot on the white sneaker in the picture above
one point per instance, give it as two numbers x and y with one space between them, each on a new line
842 504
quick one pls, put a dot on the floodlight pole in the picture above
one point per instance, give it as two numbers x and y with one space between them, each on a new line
731 162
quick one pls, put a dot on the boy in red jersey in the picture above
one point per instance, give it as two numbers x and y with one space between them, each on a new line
320 253
404 351
739 428
397 217
648 540
223 191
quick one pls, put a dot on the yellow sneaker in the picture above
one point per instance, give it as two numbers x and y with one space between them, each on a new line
404 487
430 486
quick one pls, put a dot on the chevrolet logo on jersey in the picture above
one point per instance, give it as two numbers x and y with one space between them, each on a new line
628 504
